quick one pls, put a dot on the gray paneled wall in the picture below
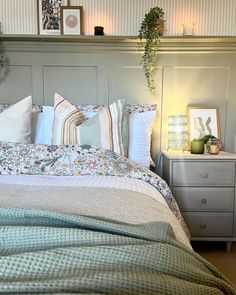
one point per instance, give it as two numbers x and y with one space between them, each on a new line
102 73
123 17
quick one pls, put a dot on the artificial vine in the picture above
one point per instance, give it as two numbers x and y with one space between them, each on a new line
4 61
151 30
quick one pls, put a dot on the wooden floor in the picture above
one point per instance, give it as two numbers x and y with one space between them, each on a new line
215 253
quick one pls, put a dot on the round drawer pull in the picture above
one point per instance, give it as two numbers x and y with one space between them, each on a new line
203 226
204 175
204 201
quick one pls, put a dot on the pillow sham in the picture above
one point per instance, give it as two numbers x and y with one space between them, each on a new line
15 122
66 118
107 129
140 133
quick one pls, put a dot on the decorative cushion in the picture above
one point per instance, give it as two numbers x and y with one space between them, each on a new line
107 129
66 118
15 122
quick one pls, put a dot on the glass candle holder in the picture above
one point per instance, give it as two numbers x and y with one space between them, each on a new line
177 132
197 146
98 31
188 29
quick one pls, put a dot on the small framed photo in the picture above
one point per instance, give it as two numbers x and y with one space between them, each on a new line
72 20
49 16
203 121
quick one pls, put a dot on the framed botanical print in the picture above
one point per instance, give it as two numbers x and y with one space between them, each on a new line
203 121
72 20
49 16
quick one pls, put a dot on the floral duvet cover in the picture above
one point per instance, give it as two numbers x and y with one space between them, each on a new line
33 159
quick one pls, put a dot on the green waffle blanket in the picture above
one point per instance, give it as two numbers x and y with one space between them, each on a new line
54 253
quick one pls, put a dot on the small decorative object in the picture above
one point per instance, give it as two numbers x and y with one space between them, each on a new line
72 20
177 132
197 146
4 61
188 29
213 146
152 27
98 31
203 121
49 16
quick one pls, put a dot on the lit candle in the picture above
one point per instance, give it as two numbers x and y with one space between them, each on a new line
188 29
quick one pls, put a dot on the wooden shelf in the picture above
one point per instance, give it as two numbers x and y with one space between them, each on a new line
116 39
68 43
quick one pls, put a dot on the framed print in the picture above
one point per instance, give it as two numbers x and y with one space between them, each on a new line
49 16
203 121
72 20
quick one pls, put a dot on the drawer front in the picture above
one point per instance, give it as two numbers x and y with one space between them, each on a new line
209 224
207 173
204 199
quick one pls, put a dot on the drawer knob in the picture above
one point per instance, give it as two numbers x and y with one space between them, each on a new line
203 226
204 201
204 175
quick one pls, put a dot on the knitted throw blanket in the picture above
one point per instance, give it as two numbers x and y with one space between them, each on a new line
55 253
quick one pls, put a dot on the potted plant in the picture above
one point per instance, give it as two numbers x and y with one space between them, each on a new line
152 28
213 144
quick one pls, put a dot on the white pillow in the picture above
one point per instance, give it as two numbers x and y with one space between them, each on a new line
140 131
15 122
44 126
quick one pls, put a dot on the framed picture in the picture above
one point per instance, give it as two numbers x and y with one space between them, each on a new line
72 20
203 121
49 16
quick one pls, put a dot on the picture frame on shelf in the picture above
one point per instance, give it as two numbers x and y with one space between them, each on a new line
72 20
202 121
48 12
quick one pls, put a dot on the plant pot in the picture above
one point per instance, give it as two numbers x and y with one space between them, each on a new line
161 27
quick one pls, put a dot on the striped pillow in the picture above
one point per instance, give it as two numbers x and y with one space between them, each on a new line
107 129
66 118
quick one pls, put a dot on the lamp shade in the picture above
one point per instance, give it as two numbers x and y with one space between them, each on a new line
177 132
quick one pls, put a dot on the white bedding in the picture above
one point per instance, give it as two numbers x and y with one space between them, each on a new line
85 181
119 198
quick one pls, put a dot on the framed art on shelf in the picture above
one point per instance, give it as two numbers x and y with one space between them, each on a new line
49 16
203 121
72 20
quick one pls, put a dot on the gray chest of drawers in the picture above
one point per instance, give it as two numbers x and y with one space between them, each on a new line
204 188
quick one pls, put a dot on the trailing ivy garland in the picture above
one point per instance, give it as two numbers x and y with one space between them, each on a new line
4 62
151 29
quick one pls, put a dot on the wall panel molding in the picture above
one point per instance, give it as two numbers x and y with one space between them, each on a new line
105 72
123 17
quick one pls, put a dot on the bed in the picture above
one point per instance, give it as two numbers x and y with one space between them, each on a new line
80 219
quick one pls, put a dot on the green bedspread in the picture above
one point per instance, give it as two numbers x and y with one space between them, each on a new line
49 252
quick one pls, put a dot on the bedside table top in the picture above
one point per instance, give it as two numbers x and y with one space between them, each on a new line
206 156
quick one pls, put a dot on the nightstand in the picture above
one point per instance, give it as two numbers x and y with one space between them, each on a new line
204 188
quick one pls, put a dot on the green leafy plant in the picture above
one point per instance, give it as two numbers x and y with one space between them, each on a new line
151 30
4 62
207 137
